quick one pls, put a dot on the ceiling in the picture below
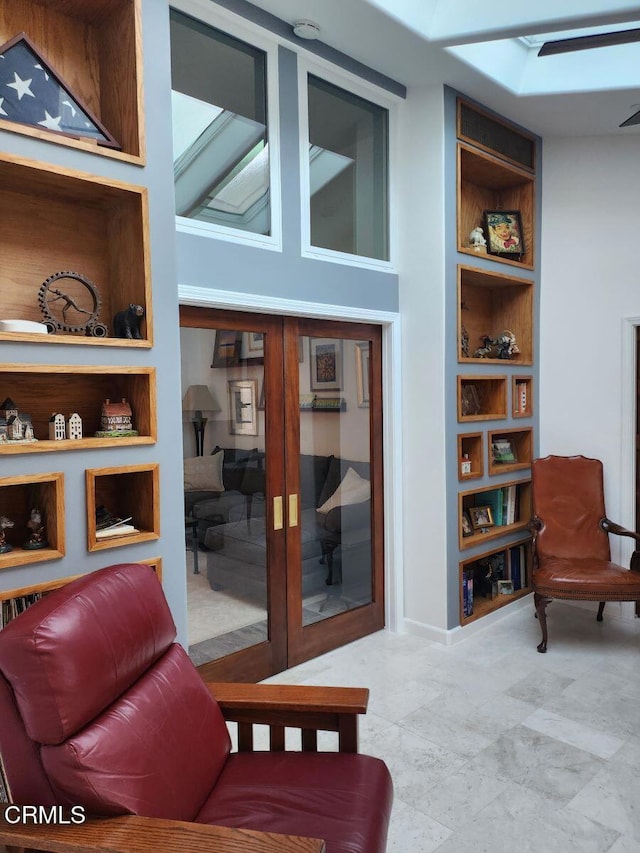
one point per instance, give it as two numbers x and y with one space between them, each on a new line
472 47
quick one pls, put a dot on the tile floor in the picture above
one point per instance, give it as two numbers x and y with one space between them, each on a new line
494 747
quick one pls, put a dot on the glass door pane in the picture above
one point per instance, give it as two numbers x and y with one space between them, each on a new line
335 477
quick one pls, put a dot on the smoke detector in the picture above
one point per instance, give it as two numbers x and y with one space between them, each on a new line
306 30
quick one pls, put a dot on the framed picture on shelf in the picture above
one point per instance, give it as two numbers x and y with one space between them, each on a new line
470 402
226 349
503 451
465 524
504 232
326 364
243 406
362 373
505 587
252 348
481 516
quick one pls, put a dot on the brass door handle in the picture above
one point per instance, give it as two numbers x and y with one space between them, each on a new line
293 510
278 518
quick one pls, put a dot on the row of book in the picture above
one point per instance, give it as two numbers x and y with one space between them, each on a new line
13 607
504 503
502 573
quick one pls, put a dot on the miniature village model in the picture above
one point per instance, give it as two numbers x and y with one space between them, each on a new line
15 426
116 420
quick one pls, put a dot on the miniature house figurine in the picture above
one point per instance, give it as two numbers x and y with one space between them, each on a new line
74 426
15 425
57 429
116 420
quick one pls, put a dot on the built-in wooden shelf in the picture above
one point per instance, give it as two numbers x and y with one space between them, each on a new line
95 47
513 561
482 397
91 226
42 389
496 497
486 182
520 441
130 491
470 445
18 496
490 303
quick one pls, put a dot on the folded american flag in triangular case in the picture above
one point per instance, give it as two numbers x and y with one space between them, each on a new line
32 93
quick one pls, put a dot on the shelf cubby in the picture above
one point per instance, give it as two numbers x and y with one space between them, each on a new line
94 46
511 562
470 445
515 494
490 303
481 398
486 182
39 390
94 227
18 496
522 396
521 443
130 491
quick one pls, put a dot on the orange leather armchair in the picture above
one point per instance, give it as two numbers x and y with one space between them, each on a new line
100 708
571 554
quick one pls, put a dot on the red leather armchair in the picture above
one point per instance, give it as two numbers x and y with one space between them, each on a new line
99 707
571 555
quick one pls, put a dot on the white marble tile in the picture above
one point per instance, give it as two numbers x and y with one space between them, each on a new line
412 831
446 731
625 844
456 800
576 734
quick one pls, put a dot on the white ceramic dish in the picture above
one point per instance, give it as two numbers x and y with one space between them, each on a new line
23 326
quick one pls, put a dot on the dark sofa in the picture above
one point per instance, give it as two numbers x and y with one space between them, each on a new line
231 526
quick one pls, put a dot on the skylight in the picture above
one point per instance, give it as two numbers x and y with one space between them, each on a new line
536 41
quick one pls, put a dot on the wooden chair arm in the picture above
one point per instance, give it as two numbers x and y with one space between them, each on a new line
131 834
611 527
311 709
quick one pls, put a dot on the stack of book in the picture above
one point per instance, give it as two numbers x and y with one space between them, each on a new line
504 504
108 525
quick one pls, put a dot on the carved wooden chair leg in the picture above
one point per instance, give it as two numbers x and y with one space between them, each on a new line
600 611
541 602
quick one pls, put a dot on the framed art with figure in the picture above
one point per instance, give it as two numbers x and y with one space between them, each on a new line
326 364
504 232
226 350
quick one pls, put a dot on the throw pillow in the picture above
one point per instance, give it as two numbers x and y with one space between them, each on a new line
204 473
353 489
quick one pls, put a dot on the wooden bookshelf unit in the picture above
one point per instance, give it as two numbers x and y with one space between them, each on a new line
482 397
470 445
129 492
484 574
515 494
18 496
519 440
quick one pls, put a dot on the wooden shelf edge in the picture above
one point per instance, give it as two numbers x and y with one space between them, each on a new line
493 416
498 260
20 557
495 533
47 445
30 338
82 145
502 361
133 538
508 467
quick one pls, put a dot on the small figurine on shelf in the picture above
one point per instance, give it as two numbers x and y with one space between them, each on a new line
74 426
38 536
477 241
506 344
5 524
126 323
464 341
57 428
116 420
486 349
465 465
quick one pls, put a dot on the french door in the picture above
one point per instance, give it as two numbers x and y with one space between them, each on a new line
293 546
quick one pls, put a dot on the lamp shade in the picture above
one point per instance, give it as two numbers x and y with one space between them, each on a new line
199 399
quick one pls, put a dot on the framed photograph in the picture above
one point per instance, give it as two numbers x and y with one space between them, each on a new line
465 524
505 587
503 451
480 516
252 348
243 406
362 373
226 350
470 400
504 232
326 364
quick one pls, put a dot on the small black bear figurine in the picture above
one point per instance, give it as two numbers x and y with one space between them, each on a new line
126 323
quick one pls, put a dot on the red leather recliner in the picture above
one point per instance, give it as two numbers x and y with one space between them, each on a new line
100 707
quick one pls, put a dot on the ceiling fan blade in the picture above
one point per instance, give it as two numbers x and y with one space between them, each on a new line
549 48
634 119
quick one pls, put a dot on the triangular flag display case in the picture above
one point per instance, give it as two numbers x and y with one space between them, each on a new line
34 94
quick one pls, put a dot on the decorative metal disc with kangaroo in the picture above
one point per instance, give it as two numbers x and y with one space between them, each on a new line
74 307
